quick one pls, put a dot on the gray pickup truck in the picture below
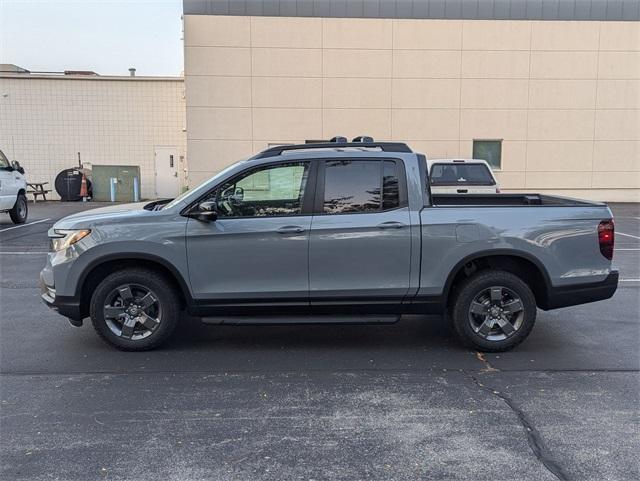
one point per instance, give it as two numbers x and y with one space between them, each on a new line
343 232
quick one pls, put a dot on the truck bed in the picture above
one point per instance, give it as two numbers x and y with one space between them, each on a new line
498 200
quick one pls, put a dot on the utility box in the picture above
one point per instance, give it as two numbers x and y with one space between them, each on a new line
124 185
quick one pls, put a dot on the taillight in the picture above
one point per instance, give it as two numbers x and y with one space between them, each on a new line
497 190
606 235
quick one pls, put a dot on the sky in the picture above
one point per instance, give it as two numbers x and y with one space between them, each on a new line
106 36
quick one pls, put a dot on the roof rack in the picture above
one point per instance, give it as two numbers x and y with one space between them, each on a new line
384 146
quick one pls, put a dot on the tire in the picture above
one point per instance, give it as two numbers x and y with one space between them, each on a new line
135 328
20 210
485 314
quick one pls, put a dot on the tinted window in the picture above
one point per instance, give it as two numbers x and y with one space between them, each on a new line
390 188
270 191
359 186
460 174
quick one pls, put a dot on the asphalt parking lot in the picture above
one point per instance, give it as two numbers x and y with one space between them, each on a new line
386 403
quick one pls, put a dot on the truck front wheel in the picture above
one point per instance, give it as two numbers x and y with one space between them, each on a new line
493 311
20 210
135 309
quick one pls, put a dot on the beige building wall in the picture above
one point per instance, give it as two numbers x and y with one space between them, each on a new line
564 97
46 120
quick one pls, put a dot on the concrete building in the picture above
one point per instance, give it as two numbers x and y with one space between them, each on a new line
47 118
547 91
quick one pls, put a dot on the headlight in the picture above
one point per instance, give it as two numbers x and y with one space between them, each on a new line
63 239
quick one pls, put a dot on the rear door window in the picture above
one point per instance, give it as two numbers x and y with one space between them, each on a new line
360 186
390 186
460 174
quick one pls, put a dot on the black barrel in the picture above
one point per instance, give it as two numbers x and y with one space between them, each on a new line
68 184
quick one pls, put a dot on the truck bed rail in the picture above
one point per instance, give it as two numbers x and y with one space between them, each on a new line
512 200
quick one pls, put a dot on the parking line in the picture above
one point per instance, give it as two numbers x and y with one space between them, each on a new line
37 222
628 249
629 280
628 235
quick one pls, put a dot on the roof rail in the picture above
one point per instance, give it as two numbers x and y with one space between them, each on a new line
384 146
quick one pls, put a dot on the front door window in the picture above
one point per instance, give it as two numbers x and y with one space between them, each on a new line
269 191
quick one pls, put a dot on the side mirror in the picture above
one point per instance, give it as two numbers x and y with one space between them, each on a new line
15 165
205 211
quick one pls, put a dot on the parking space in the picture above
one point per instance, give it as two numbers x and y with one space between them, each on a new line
317 402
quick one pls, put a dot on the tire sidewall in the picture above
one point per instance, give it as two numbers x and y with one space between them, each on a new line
21 200
471 288
155 282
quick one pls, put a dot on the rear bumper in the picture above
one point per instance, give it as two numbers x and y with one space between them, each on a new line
65 306
573 295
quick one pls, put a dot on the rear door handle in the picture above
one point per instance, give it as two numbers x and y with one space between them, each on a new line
391 225
290 229
462 191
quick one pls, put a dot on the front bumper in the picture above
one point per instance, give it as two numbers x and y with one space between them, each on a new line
65 306
573 295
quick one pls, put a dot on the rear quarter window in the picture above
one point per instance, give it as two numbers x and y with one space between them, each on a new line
460 174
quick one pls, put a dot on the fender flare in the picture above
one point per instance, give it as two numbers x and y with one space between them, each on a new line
498 252
123 256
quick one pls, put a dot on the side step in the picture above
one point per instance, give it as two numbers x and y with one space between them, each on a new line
302 319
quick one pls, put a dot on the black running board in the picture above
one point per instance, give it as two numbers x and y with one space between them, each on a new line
302 319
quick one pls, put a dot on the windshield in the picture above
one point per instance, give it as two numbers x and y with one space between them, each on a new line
460 174
186 193
4 162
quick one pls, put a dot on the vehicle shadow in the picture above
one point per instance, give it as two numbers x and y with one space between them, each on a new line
410 332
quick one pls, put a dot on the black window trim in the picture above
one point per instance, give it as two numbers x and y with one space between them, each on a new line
425 180
306 208
320 177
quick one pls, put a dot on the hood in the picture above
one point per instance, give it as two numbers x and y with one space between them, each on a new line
101 215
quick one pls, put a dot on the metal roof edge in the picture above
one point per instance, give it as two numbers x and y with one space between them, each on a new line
126 78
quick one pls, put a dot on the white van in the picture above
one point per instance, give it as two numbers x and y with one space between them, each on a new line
461 176
13 190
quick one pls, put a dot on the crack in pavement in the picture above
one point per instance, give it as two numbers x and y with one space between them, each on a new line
534 438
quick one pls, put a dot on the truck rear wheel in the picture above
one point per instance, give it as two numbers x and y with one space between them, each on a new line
493 311
20 210
135 309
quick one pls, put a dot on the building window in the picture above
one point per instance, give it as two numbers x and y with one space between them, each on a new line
489 150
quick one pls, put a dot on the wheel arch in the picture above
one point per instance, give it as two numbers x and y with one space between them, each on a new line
95 272
524 265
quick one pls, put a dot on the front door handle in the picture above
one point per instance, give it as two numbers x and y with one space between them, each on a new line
290 229
391 225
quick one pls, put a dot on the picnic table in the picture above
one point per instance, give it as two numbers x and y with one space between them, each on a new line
36 189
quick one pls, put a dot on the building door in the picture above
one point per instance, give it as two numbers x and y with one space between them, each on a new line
167 179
